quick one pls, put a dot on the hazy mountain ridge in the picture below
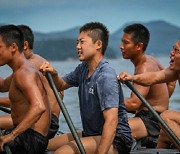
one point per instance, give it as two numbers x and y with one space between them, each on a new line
61 45
163 35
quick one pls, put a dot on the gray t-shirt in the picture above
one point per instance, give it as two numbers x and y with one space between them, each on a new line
97 93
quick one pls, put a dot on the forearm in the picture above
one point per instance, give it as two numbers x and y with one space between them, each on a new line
145 79
107 137
58 81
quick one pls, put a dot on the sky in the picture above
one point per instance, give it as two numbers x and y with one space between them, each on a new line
59 15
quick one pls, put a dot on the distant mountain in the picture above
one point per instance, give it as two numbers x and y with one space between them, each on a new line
162 37
71 33
62 45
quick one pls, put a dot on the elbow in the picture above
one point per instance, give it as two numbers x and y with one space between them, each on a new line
132 107
41 109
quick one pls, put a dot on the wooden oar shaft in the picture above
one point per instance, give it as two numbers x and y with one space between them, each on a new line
5 109
65 113
165 127
6 148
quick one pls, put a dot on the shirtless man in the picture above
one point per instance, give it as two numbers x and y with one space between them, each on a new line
172 73
5 121
134 43
30 109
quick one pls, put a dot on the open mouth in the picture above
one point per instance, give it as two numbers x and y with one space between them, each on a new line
171 62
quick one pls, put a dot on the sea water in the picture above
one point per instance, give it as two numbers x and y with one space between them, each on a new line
71 95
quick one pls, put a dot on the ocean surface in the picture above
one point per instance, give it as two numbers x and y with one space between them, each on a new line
71 95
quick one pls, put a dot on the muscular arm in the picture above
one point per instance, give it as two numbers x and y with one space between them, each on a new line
133 103
109 129
31 91
150 78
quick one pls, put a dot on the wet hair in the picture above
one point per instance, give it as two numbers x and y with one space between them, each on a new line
12 34
97 31
139 34
28 35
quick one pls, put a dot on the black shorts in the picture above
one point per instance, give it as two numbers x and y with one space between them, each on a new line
54 126
87 135
150 122
29 142
121 144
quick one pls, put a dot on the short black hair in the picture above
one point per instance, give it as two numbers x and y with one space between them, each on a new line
139 34
98 31
12 34
28 35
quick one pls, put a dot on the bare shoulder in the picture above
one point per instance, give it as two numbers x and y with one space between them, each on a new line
25 74
39 57
37 60
150 64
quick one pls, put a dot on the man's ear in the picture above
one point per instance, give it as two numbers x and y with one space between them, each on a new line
13 47
99 44
26 45
140 46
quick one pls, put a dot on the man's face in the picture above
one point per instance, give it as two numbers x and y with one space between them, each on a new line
175 57
127 46
85 47
4 52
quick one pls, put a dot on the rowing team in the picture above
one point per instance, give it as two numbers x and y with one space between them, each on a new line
34 118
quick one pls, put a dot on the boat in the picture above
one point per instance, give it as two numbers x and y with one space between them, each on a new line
139 147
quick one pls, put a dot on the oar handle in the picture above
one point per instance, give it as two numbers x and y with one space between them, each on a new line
6 148
5 109
175 139
65 113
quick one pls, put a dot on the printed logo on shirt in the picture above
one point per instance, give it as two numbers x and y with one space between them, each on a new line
91 90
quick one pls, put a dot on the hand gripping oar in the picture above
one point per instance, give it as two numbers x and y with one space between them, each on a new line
5 109
165 127
65 113
6 148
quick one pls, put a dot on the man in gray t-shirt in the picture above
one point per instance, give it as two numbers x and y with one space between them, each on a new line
97 93
103 114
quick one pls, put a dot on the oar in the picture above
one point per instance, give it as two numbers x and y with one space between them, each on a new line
165 127
5 109
6 148
65 113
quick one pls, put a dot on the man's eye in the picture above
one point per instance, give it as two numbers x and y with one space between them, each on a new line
176 50
125 42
